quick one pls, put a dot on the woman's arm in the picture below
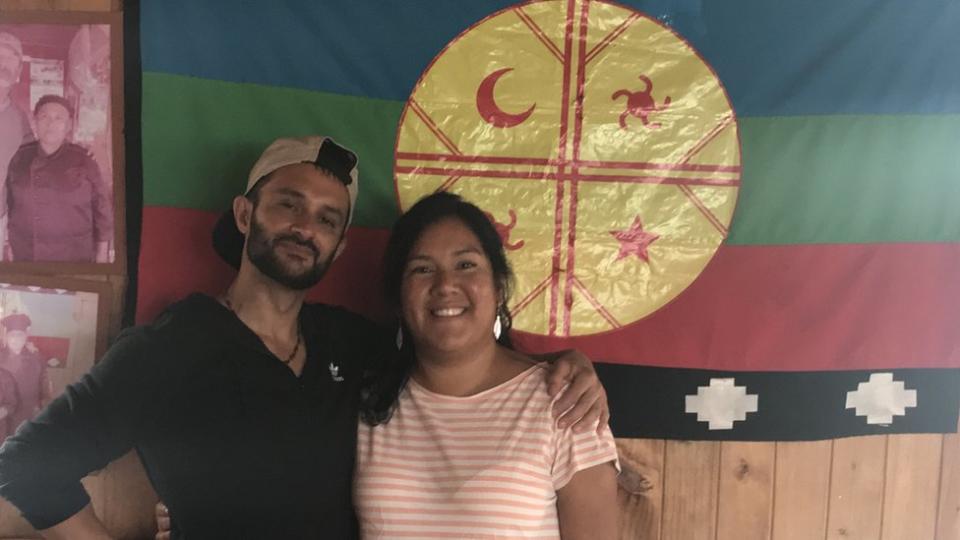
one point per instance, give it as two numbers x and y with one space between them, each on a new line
587 505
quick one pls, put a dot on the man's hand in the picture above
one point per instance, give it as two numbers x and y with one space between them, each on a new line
163 521
585 400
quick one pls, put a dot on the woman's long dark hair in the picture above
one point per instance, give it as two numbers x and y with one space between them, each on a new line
381 390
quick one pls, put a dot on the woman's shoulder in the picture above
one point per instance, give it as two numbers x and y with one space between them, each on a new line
529 386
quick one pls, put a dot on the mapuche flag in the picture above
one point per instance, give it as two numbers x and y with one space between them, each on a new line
745 212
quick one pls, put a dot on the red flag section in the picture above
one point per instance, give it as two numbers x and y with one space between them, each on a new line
755 308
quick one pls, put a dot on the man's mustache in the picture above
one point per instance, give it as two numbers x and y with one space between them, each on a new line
297 240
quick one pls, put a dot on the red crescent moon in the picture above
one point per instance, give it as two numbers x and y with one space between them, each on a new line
488 108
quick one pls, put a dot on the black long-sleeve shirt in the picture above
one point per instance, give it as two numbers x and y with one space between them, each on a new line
234 442
58 204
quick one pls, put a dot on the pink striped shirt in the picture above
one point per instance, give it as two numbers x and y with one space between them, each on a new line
483 466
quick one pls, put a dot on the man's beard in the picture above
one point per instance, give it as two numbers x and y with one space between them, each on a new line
261 249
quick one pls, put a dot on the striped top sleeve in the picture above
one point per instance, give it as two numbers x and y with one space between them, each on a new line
574 452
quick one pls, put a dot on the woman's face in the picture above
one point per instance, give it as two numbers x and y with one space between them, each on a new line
448 295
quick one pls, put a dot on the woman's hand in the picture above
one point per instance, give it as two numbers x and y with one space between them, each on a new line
584 403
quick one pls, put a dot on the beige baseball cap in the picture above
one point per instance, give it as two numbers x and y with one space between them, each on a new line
317 149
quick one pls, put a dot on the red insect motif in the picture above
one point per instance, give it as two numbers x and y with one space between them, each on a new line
504 230
640 104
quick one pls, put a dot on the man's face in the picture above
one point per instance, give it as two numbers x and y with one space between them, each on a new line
16 339
9 67
297 224
53 124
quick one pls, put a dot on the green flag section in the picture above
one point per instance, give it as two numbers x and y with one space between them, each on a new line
808 179
849 179
201 137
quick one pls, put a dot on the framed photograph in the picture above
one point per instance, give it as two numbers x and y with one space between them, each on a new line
51 332
61 143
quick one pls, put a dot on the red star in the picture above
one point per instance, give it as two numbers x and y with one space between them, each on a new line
634 241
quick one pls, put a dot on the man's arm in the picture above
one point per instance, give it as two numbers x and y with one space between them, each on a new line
46 386
92 423
583 404
102 211
9 397
83 525
5 254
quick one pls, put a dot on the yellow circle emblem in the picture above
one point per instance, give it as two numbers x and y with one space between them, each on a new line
599 142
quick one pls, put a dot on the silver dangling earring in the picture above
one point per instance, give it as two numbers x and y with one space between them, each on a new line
400 338
497 328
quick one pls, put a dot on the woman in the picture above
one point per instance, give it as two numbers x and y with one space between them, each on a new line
460 442
59 208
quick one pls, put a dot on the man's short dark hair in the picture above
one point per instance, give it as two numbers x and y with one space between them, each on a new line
53 98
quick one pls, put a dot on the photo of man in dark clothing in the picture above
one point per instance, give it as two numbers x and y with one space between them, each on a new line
58 206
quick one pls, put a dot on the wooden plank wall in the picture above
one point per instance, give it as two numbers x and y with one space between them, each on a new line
896 487
899 487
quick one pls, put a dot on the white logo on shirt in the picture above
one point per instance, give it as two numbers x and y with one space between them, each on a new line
335 372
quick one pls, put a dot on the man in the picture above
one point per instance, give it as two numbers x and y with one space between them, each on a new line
9 404
27 367
59 208
14 124
242 408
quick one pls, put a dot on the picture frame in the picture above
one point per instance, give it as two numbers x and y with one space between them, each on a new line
77 56
52 331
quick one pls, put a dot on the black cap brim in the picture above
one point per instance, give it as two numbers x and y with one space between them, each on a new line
228 240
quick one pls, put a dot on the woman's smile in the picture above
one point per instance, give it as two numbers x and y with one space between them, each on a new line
449 298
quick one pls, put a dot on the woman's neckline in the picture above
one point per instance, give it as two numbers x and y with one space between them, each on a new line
419 388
